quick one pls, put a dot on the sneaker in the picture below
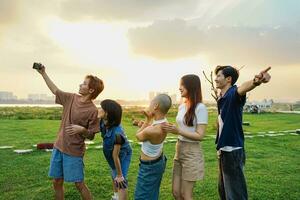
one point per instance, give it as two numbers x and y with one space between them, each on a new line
114 198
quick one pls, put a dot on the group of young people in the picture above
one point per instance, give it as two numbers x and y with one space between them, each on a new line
82 120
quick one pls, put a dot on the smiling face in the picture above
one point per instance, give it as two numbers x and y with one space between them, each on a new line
221 81
183 90
84 88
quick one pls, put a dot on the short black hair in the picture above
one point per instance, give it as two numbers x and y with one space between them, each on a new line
114 112
227 71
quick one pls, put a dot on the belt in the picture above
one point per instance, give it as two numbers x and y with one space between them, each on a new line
150 162
219 152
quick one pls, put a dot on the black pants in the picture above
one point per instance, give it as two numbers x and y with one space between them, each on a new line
232 183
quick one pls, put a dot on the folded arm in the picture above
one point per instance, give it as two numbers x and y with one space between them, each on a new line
197 135
77 129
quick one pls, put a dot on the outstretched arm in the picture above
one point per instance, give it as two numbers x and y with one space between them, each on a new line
48 81
262 77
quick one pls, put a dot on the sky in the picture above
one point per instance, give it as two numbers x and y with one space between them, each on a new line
140 46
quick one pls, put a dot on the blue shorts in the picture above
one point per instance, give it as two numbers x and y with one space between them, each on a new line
149 178
65 166
125 162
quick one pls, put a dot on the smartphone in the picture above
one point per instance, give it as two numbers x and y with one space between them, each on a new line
37 66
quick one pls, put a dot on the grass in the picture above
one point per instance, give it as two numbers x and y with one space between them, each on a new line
272 166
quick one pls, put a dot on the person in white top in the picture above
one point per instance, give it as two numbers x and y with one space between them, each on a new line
152 160
192 121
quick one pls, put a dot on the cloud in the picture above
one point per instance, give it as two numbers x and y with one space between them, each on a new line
24 38
9 11
271 45
127 9
166 39
9 14
259 13
173 39
113 10
24 44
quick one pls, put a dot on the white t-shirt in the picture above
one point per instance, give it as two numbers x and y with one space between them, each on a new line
201 117
153 150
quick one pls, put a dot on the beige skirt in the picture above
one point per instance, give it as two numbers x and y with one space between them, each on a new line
189 161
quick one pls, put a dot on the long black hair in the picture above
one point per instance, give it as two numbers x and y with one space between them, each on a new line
194 96
114 112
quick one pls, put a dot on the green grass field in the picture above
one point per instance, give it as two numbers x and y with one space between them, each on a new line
272 166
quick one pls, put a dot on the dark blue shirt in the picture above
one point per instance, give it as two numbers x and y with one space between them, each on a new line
109 136
230 108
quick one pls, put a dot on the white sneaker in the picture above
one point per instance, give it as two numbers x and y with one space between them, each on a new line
114 198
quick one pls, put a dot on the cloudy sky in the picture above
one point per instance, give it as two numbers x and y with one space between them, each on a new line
141 46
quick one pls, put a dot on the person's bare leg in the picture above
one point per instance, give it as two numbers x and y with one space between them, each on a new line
123 195
176 187
187 189
84 191
58 186
114 188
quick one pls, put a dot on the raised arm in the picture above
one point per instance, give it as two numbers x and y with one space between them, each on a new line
48 81
142 134
262 77
148 133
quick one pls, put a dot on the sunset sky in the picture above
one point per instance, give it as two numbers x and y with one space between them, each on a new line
147 45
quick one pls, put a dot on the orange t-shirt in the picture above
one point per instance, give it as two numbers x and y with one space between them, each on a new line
78 113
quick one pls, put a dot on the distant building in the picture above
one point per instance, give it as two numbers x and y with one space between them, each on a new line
40 97
7 96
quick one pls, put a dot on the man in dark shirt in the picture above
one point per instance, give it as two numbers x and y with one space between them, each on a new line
230 136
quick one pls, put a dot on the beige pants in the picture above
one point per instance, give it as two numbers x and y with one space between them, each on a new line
189 161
